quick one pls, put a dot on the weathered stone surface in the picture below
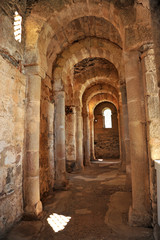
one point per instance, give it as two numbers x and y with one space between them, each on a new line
12 91
47 161
70 134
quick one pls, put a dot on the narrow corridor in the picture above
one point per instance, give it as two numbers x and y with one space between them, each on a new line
96 206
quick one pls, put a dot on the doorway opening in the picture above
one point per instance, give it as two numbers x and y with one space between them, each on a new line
106 133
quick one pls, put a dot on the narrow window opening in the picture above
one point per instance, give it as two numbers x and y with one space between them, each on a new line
17 27
107 113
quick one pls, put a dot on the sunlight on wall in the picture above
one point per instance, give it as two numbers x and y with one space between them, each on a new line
17 26
58 222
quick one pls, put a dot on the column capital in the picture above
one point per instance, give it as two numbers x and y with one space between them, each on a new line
122 84
34 69
91 116
59 91
70 109
58 94
85 114
146 49
78 108
58 85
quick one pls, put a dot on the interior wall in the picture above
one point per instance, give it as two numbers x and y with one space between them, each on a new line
106 140
12 116
12 125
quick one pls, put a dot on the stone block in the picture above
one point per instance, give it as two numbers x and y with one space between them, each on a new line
153 107
151 82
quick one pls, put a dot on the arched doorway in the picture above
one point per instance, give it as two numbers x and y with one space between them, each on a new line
106 136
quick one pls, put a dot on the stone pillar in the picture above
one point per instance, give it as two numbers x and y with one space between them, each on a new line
152 103
60 181
70 137
32 203
92 137
121 139
51 142
124 117
79 139
157 167
86 139
139 214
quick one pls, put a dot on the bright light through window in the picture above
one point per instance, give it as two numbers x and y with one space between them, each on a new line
17 26
107 118
58 222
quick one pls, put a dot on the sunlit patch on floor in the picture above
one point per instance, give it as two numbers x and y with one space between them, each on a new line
58 222
100 160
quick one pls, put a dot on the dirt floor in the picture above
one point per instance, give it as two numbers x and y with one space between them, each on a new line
95 207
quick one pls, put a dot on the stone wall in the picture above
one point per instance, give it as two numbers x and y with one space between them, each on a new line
106 140
107 148
155 17
12 120
152 117
46 138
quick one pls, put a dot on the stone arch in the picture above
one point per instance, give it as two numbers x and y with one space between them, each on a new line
53 19
88 120
81 28
89 69
100 89
87 48
98 98
49 25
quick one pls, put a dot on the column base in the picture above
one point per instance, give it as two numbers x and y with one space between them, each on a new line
78 168
33 211
61 184
139 219
156 232
70 165
128 182
87 163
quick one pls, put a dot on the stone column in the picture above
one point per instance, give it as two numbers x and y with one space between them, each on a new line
60 181
51 142
121 139
32 203
92 137
124 116
86 138
152 116
70 137
79 139
139 214
157 167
